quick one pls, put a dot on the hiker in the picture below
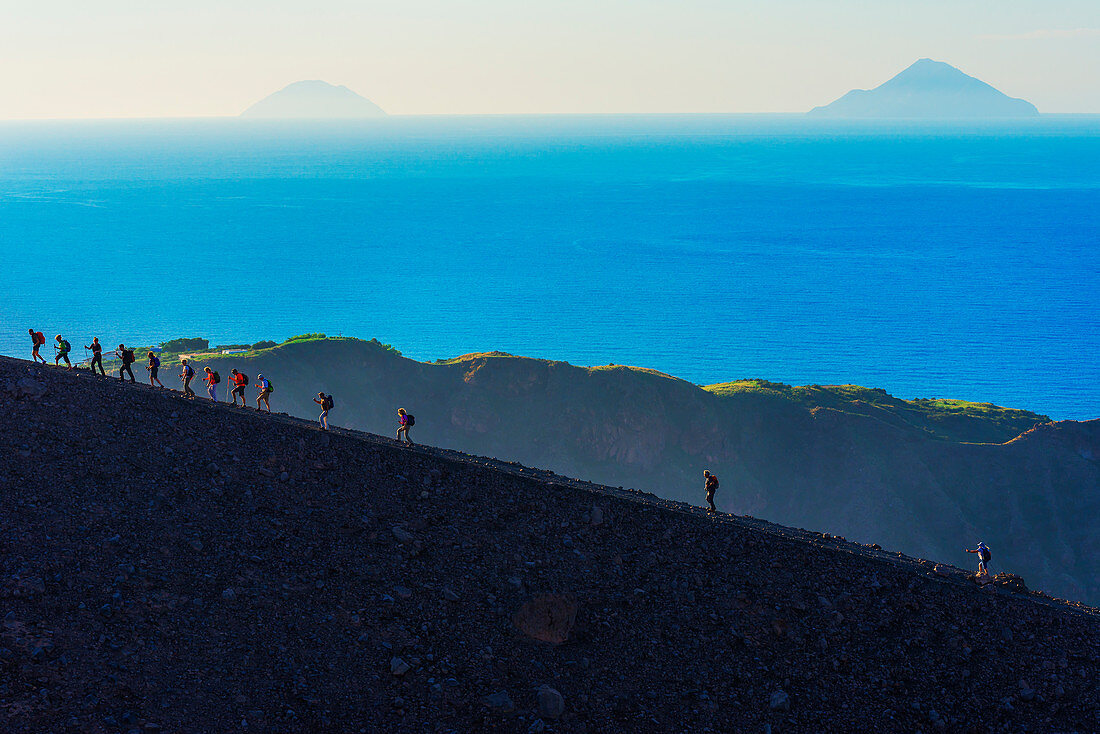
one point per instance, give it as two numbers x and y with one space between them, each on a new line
127 357
62 347
211 379
154 367
37 340
984 555
97 355
710 484
405 422
239 380
325 401
186 376
265 388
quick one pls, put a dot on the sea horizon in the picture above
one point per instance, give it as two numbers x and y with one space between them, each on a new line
912 256
975 121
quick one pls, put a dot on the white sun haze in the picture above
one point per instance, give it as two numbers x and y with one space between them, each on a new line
116 58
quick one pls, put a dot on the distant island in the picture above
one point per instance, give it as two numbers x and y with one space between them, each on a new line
928 89
314 99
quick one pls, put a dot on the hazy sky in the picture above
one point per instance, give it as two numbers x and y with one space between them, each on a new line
122 58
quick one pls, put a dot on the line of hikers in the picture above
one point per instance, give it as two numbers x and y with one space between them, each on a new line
211 377
62 348
238 379
710 486
405 420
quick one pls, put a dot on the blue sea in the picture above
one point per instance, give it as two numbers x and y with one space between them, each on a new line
929 259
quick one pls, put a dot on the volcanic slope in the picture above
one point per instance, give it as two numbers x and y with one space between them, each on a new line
924 477
172 565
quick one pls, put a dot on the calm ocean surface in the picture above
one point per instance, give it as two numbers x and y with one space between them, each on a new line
928 259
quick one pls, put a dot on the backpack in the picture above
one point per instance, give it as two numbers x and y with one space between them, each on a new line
985 555
215 377
270 387
65 346
188 370
712 482
127 356
327 402
411 421
244 378
156 362
39 338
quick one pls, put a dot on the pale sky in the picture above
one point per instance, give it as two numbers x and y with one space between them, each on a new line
150 58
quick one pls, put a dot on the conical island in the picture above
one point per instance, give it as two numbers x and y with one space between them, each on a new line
314 99
928 89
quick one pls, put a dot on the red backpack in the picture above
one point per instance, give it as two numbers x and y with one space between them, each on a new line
39 338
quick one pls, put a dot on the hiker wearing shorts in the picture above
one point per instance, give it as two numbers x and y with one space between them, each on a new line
186 376
984 556
265 388
97 355
211 379
710 484
154 367
63 347
404 423
239 381
127 357
37 340
325 401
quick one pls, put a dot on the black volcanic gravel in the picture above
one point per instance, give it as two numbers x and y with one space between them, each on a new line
171 566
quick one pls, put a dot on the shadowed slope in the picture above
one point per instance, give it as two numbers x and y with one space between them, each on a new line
175 564
850 459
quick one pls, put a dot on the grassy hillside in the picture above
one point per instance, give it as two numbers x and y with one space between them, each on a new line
942 418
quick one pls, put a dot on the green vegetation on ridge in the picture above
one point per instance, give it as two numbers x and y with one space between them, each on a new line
179 346
940 418
943 418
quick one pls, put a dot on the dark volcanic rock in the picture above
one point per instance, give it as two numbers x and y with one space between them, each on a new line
548 617
139 590
551 704
499 703
856 462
